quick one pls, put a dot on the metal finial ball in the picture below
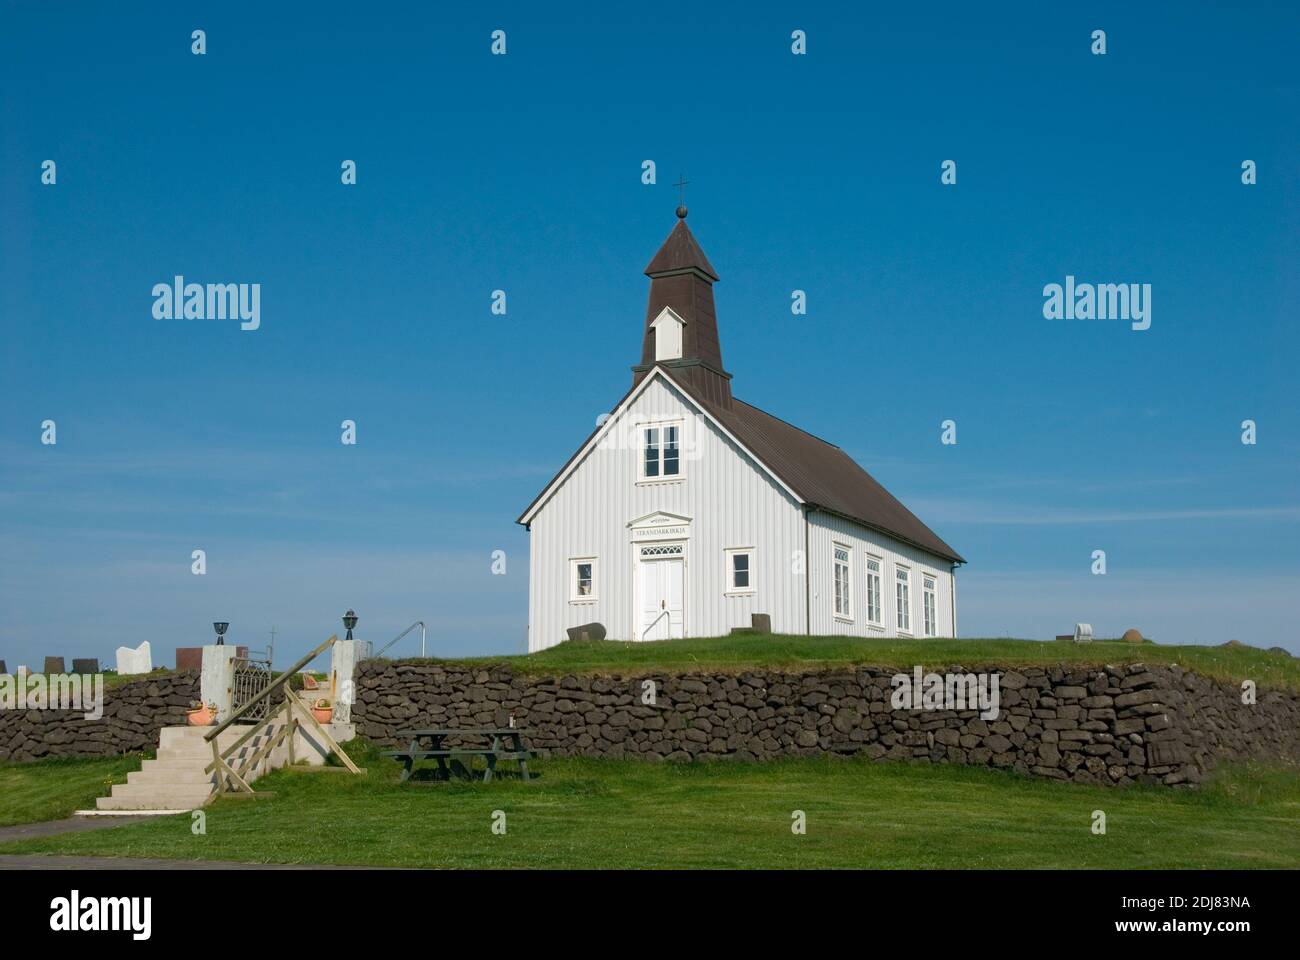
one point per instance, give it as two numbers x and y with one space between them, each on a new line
681 213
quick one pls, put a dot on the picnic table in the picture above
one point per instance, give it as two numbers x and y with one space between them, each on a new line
501 744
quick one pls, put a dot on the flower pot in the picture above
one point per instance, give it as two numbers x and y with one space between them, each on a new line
202 717
323 715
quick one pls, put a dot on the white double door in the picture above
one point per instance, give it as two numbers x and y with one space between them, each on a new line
660 588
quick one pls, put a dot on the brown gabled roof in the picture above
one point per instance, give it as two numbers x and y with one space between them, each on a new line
822 474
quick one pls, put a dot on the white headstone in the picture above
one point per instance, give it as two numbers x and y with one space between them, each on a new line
139 660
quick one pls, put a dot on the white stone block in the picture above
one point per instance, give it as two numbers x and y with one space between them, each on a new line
139 660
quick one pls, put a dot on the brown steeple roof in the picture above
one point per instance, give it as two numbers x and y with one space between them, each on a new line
682 278
681 251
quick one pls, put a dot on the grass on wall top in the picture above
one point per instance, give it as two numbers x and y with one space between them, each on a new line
741 652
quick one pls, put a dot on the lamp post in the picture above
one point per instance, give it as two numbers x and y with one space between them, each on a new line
220 627
349 621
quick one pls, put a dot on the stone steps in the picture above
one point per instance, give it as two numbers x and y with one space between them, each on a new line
176 779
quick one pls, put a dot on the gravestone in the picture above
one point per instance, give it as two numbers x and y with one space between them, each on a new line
189 658
139 660
587 631
54 665
761 622
85 665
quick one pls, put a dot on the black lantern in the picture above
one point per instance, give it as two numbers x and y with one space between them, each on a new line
349 621
220 627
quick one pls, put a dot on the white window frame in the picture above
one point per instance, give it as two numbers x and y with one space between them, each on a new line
879 619
846 614
574 595
929 604
902 608
642 442
730 571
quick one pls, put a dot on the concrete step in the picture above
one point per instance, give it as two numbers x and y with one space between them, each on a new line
127 796
204 752
163 778
182 765
193 736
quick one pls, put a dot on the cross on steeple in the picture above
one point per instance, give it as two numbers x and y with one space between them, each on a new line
681 195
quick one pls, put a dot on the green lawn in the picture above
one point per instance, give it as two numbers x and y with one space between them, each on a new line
744 651
631 814
51 789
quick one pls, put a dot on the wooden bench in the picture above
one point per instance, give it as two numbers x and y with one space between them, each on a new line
495 751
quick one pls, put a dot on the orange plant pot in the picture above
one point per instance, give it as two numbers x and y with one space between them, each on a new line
323 715
201 717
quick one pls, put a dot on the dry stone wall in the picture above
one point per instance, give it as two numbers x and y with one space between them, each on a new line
1100 724
134 712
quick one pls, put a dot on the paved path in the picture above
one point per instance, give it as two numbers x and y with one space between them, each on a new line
50 828
44 862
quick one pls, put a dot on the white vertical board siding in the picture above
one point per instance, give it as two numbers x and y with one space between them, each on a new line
731 500
826 529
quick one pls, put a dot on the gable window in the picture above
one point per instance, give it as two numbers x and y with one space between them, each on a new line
903 597
874 612
740 570
582 579
928 605
842 579
661 451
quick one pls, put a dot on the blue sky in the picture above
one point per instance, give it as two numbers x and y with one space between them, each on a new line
478 172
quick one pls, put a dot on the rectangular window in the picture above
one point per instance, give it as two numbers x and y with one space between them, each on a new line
903 598
661 451
740 570
652 452
582 579
670 451
842 579
874 612
928 604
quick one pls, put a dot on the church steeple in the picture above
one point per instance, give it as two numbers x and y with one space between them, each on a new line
681 327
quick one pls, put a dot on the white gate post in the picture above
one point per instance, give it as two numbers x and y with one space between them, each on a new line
344 657
217 678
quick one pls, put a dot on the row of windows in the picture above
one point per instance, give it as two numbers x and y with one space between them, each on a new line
740 567
842 594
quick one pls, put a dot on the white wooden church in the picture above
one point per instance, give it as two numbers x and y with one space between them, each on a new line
688 511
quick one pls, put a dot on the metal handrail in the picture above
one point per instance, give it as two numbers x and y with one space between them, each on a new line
273 685
418 623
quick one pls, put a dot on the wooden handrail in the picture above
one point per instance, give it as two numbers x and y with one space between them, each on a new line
271 687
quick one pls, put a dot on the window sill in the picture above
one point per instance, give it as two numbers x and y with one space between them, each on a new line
583 600
739 593
651 481
876 627
907 634
841 618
